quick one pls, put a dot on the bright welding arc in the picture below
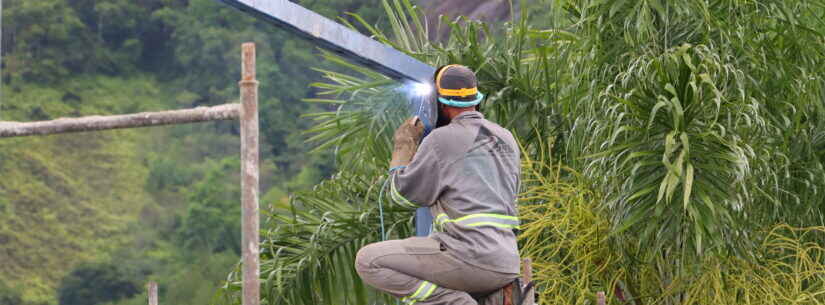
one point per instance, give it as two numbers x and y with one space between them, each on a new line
417 89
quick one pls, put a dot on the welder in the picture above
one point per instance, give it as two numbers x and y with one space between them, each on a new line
466 171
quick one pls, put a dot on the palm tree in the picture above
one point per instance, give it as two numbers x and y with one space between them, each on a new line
671 146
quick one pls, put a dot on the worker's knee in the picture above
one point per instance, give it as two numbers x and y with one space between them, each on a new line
364 259
375 261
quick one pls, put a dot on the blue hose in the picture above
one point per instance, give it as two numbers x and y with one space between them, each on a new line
381 207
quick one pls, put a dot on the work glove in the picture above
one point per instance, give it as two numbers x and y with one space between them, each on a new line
406 140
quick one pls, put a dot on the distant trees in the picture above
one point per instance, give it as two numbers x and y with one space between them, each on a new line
43 40
9 295
93 284
212 221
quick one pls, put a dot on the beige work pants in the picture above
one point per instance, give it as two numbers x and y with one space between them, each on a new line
420 271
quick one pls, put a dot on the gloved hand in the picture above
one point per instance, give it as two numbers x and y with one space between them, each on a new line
406 140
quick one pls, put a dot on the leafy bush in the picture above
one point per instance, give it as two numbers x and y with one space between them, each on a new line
212 221
573 258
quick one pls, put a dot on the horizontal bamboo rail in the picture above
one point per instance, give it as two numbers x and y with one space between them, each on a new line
143 119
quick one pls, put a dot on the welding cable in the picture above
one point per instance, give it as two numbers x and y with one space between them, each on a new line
381 206
381 199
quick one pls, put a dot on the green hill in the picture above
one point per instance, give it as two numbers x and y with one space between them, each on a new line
69 199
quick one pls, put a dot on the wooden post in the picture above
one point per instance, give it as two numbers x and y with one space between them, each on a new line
152 288
526 278
143 119
1 59
249 177
600 298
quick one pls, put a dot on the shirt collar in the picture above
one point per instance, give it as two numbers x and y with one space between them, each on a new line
469 115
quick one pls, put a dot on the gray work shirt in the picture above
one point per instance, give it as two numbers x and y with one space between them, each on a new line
468 172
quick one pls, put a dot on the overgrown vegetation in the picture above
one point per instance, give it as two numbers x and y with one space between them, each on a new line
678 152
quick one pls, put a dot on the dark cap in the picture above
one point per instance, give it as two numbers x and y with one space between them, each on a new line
456 77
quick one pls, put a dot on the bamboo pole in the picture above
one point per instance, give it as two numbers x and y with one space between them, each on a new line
152 288
144 119
249 177
600 298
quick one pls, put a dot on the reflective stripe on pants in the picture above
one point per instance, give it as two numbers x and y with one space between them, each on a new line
425 289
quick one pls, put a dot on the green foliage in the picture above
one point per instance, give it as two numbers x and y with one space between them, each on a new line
212 220
321 235
196 280
680 126
193 279
58 202
38 28
98 283
573 259
9 295
686 137
689 132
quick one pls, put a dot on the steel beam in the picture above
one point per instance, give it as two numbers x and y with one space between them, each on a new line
337 38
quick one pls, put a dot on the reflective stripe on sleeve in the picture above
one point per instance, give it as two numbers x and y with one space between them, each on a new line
481 219
396 196
425 289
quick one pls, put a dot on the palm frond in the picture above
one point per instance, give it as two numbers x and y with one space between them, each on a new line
308 253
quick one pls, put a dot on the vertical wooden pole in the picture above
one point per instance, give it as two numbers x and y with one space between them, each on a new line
249 177
600 298
1 59
153 293
526 278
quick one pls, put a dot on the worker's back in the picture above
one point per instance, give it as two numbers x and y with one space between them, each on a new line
468 174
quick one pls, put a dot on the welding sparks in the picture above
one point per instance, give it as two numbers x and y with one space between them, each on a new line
419 89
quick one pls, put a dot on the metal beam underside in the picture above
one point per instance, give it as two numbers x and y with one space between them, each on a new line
337 38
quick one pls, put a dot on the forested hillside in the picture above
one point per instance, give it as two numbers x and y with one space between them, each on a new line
89 218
